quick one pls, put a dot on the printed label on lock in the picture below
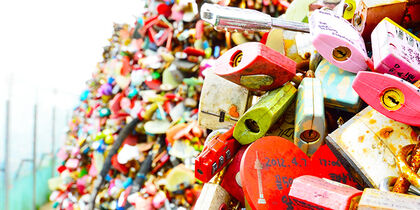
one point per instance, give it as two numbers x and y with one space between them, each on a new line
396 51
367 146
222 102
337 87
310 116
259 118
255 66
390 95
377 199
315 193
370 12
338 41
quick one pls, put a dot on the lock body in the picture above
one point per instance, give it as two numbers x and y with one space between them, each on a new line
389 95
310 116
255 67
261 116
222 102
337 87
215 156
367 146
285 127
338 41
377 199
311 192
369 13
396 51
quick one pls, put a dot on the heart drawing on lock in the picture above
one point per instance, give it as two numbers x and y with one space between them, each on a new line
270 164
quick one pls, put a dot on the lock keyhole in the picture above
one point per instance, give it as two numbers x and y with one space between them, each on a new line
236 58
341 53
392 99
252 125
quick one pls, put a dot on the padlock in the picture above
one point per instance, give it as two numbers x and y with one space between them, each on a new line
402 184
367 146
213 196
268 168
369 13
310 124
338 41
222 102
377 199
396 51
261 116
337 87
215 155
255 67
390 95
311 192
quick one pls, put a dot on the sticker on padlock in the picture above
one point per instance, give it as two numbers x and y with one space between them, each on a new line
337 87
338 41
222 102
377 199
310 116
215 156
367 146
261 116
268 168
369 13
255 66
310 192
396 51
390 95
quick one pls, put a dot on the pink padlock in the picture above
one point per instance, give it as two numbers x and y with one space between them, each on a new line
338 41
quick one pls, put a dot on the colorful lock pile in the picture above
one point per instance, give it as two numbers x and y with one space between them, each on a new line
262 112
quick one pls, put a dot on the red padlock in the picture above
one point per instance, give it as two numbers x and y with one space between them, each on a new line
215 155
255 66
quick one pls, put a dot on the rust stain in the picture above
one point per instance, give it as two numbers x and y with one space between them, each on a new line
414 135
361 138
392 147
386 132
367 131
372 121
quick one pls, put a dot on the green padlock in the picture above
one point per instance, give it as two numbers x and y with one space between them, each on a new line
260 117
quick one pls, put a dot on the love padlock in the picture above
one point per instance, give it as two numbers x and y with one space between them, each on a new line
389 95
396 51
377 199
255 67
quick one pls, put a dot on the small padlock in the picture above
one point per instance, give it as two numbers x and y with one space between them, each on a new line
377 199
310 124
390 95
255 67
337 41
369 13
261 116
337 87
222 102
396 51
215 155
367 146
311 192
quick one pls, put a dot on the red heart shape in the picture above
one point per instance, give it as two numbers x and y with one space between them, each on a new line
270 164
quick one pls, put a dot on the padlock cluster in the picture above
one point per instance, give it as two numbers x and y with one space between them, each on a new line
199 106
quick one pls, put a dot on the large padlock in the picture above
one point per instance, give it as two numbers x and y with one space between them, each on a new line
337 41
369 13
390 95
377 199
261 116
310 192
222 102
337 87
367 146
255 66
310 126
396 51
216 154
